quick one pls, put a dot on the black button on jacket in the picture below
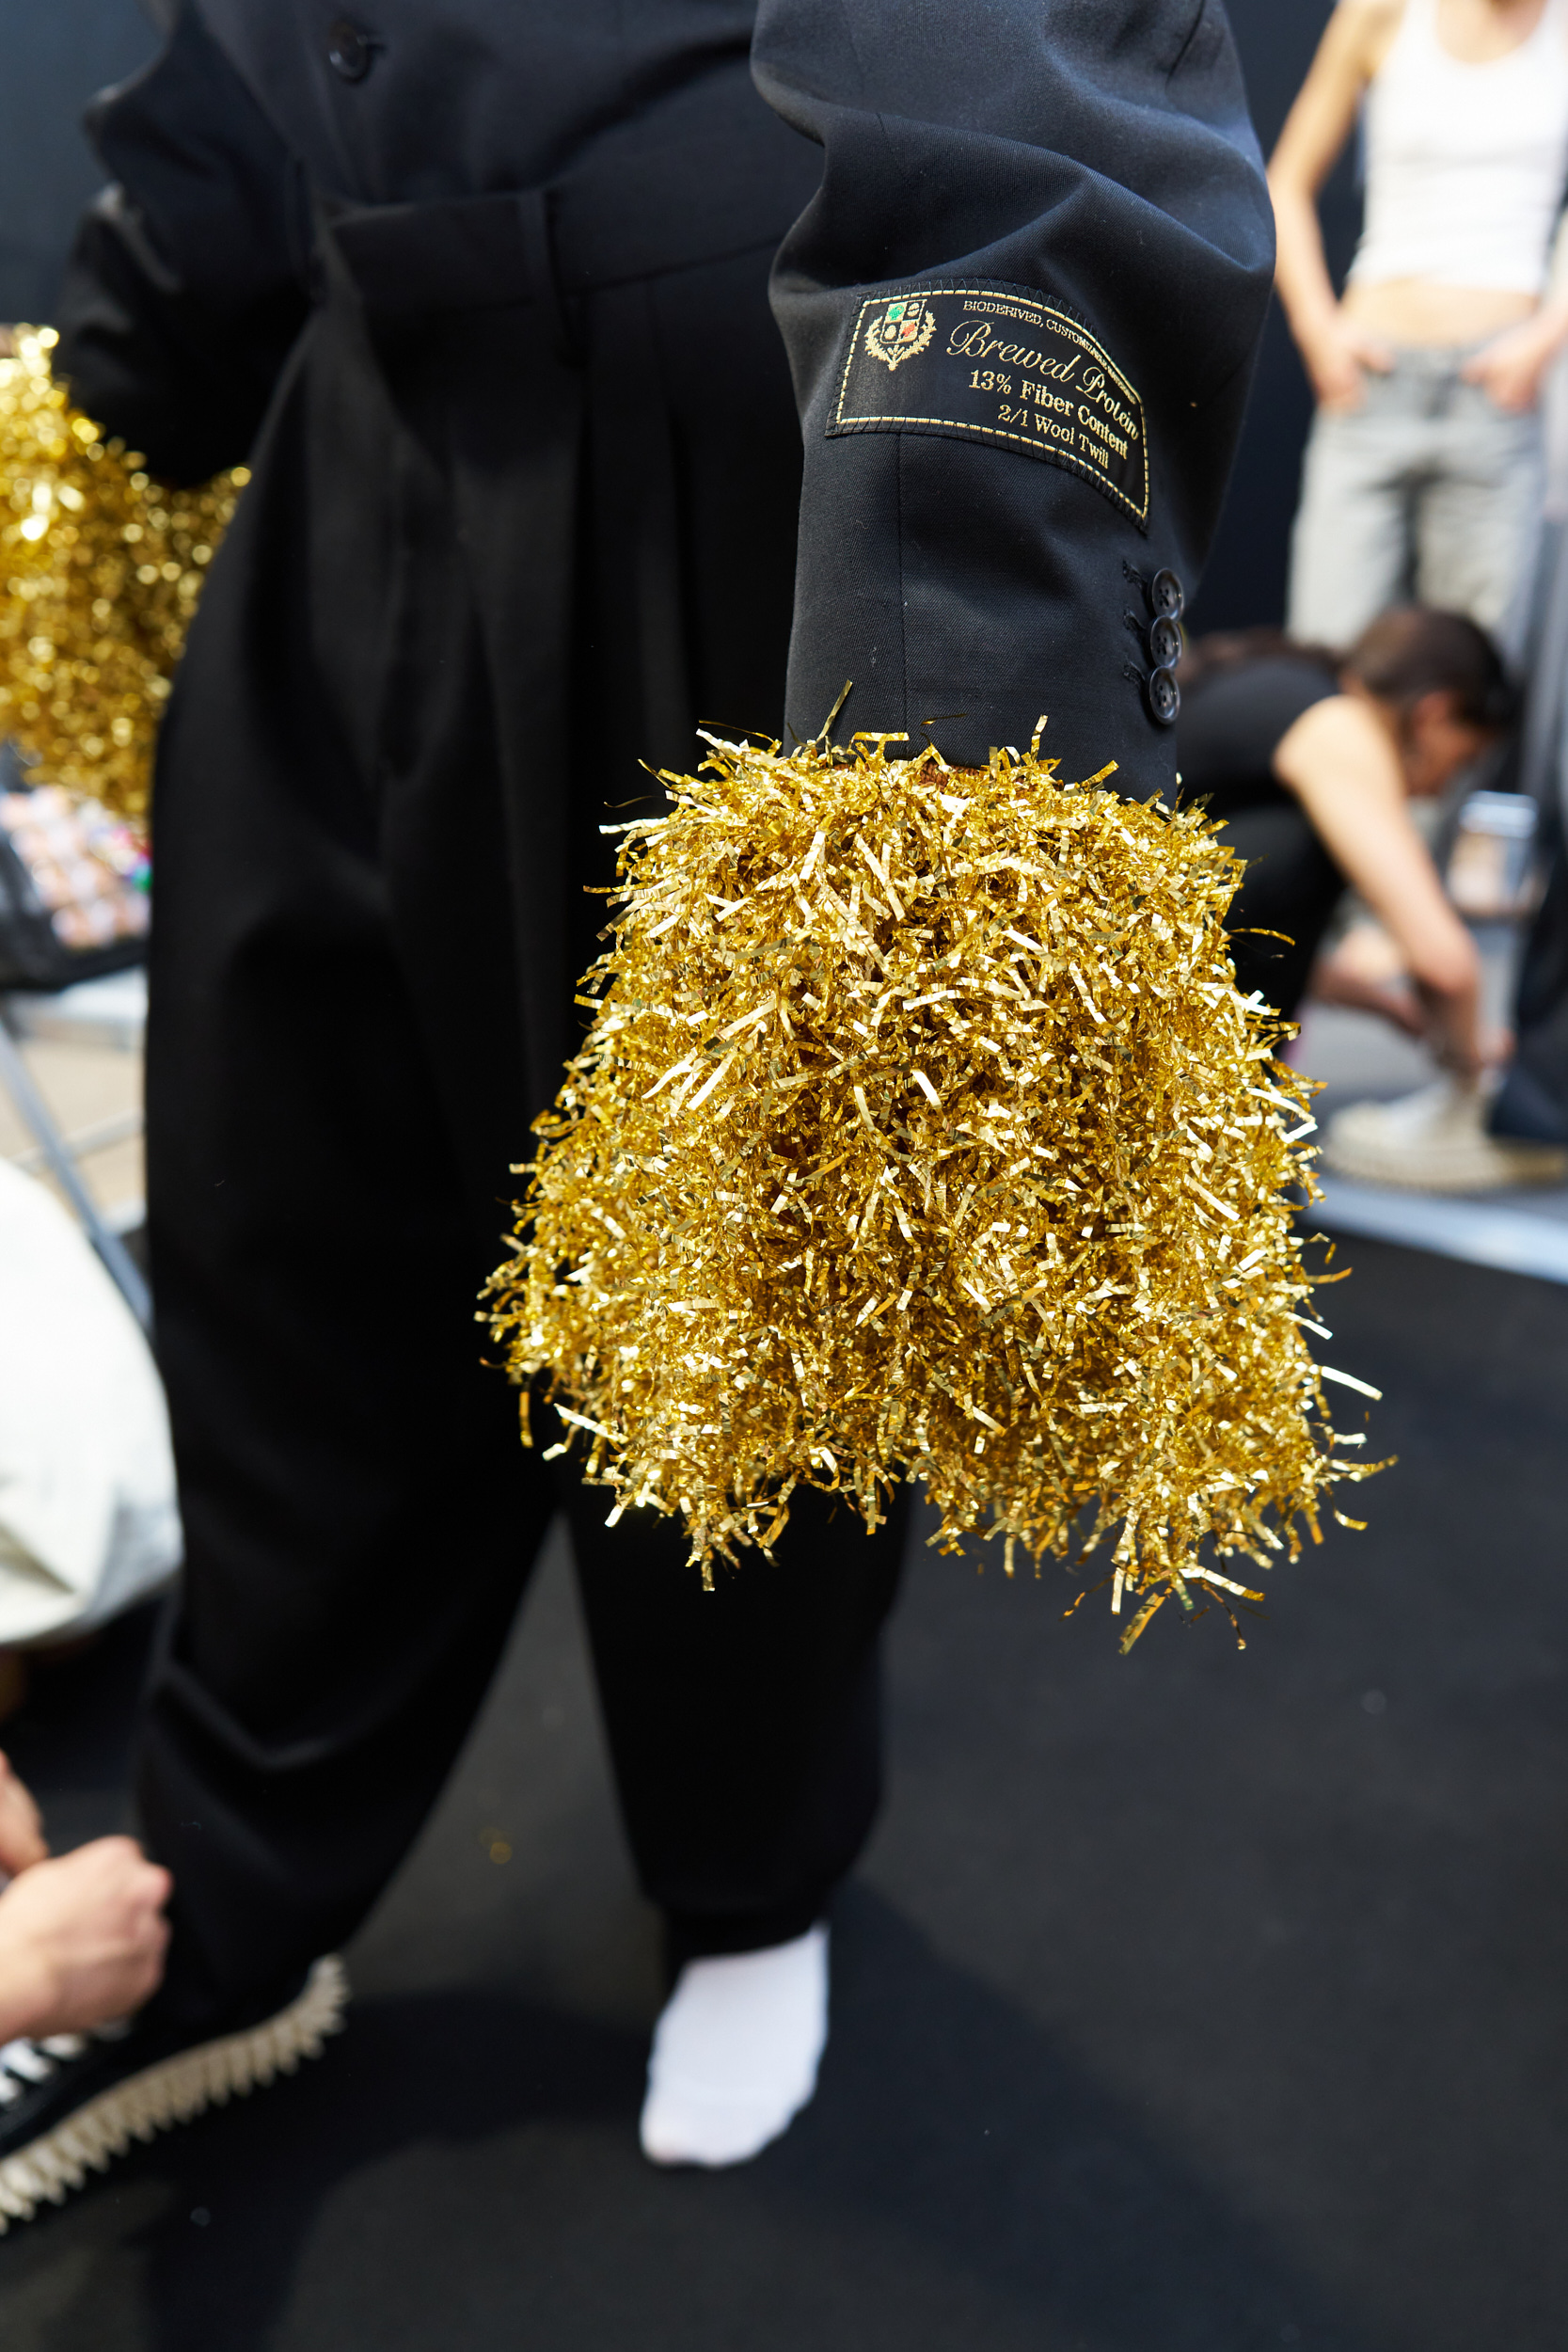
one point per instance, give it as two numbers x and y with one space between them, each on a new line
350 50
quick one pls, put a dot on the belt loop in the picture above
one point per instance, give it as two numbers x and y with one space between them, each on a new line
536 225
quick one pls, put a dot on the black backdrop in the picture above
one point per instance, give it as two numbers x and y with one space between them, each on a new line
1245 579
53 54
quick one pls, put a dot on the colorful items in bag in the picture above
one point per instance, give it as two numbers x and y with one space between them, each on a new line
100 569
920 1132
88 870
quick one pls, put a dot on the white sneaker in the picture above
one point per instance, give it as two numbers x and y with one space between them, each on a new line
735 2052
1435 1140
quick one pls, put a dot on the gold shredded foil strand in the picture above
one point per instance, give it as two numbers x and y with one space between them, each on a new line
102 567
920 1132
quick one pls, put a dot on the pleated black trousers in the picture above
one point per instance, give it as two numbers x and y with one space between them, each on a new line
348 988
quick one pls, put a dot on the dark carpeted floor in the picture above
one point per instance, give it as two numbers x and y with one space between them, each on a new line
1197 2000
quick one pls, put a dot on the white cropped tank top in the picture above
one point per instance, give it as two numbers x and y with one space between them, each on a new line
1466 164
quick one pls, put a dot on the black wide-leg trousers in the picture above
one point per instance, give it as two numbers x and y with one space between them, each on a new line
339 1087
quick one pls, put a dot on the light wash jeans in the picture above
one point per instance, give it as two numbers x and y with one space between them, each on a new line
1426 492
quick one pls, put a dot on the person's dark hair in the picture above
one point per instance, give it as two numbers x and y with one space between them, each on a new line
1410 651
1415 650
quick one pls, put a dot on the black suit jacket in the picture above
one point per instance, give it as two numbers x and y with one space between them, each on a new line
1019 306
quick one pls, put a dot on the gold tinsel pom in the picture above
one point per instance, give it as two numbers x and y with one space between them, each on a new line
920 1132
101 568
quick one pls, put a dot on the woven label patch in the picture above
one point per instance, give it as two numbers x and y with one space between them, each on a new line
1000 366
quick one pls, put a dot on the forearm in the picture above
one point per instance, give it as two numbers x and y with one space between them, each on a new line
1336 981
1453 1024
1548 327
1441 963
1301 268
1338 761
1442 966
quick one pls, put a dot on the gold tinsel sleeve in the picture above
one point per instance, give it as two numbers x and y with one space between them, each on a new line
101 568
920 1132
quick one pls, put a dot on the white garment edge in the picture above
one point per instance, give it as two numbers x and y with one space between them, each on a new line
88 1522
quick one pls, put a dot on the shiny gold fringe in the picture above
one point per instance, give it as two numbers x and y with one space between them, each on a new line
920 1132
101 568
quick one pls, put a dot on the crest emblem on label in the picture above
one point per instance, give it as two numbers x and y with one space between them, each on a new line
903 330
1000 364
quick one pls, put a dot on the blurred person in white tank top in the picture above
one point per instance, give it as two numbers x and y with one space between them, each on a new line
1423 472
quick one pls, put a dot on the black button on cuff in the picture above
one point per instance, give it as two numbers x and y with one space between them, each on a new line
1165 643
1165 698
350 50
1167 598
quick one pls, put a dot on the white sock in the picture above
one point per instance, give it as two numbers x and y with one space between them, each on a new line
735 2052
